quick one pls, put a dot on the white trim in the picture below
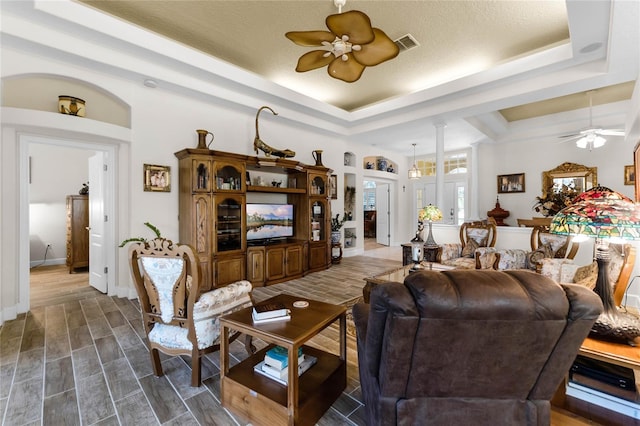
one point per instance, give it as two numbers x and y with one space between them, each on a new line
29 126
604 400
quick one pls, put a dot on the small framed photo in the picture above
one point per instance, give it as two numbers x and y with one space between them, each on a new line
629 175
333 186
157 178
510 183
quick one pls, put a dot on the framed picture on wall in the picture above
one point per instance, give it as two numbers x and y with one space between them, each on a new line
333 186
629 175
510 183
157 178
636 168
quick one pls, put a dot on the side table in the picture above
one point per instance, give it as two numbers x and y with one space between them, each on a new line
431 253
263 401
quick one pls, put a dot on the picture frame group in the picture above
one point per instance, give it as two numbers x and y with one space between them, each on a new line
511 183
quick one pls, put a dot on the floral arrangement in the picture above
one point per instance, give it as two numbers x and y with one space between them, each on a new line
554 201
429 213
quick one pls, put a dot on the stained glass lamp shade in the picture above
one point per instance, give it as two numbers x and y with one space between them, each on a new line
430 213
603 214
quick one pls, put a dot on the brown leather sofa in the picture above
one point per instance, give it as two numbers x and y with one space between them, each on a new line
465 347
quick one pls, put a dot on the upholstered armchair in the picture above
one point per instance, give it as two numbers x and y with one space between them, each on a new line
473 235
543 245
547 245
622 258
468 347
178 319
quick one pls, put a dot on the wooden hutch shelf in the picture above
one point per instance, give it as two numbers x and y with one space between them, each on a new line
214 190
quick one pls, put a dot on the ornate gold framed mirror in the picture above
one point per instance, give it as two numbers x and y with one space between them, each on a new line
579 176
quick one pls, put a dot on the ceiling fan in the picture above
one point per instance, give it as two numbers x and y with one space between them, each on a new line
593 137
350 45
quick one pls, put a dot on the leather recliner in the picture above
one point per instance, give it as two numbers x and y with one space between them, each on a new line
477 347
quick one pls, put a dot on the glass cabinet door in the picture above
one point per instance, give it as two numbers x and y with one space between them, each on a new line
230 176
229 223
318 220
201 175
317 185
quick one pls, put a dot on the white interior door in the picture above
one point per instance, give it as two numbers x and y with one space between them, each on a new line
383 232
97 255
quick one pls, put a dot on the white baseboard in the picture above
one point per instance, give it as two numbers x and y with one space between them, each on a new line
604 400
60 261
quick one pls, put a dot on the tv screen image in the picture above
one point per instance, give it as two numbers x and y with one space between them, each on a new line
267 221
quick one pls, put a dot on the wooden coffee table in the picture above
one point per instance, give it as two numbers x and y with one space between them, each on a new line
397 275
263 401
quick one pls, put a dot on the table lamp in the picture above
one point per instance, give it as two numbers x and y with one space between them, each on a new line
603 214
429 213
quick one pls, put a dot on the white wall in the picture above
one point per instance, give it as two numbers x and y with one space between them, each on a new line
535 157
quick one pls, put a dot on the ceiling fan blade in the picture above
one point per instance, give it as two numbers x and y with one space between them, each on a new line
573 135
354 24
611 132
349 70
313 60
310 38
381 49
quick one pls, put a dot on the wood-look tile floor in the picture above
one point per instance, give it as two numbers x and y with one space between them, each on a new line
82 359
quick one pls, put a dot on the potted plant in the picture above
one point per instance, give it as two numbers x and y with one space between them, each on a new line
155 230
336 225
349 238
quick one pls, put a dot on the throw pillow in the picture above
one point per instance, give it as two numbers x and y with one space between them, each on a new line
470 248
587 275
535 257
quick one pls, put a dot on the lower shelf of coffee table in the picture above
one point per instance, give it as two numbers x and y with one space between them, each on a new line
262 400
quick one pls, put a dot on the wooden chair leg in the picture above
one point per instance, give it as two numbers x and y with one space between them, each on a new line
248 344
155 362
196 375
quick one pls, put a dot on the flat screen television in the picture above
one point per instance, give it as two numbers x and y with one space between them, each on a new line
269 221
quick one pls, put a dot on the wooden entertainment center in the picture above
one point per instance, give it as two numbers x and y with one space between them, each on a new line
214 190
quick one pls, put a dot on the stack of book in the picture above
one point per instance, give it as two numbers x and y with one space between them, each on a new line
276 362
267 312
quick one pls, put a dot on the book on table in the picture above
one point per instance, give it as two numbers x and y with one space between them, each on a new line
272 319
269 310
282 376
278 357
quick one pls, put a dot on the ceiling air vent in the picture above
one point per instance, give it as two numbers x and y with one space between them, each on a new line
406 42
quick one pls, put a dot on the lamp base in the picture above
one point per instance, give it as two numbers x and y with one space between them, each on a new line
430 241
612 324
618 326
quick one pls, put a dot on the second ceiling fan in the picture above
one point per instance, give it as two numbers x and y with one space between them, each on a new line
592 137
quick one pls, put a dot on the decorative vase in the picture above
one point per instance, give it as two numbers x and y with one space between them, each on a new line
202 139
317 155
71 105
335 237
430 241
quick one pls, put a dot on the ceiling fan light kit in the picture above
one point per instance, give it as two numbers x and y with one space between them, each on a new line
350 45
593 137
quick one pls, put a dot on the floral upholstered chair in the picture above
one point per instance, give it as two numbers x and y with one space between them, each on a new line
543 245
547 245
473 235
178 319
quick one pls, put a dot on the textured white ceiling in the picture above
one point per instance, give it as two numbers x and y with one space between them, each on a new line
457 38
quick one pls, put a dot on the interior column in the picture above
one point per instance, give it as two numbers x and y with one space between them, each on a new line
440 163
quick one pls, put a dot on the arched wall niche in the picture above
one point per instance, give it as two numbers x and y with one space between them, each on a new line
40 92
